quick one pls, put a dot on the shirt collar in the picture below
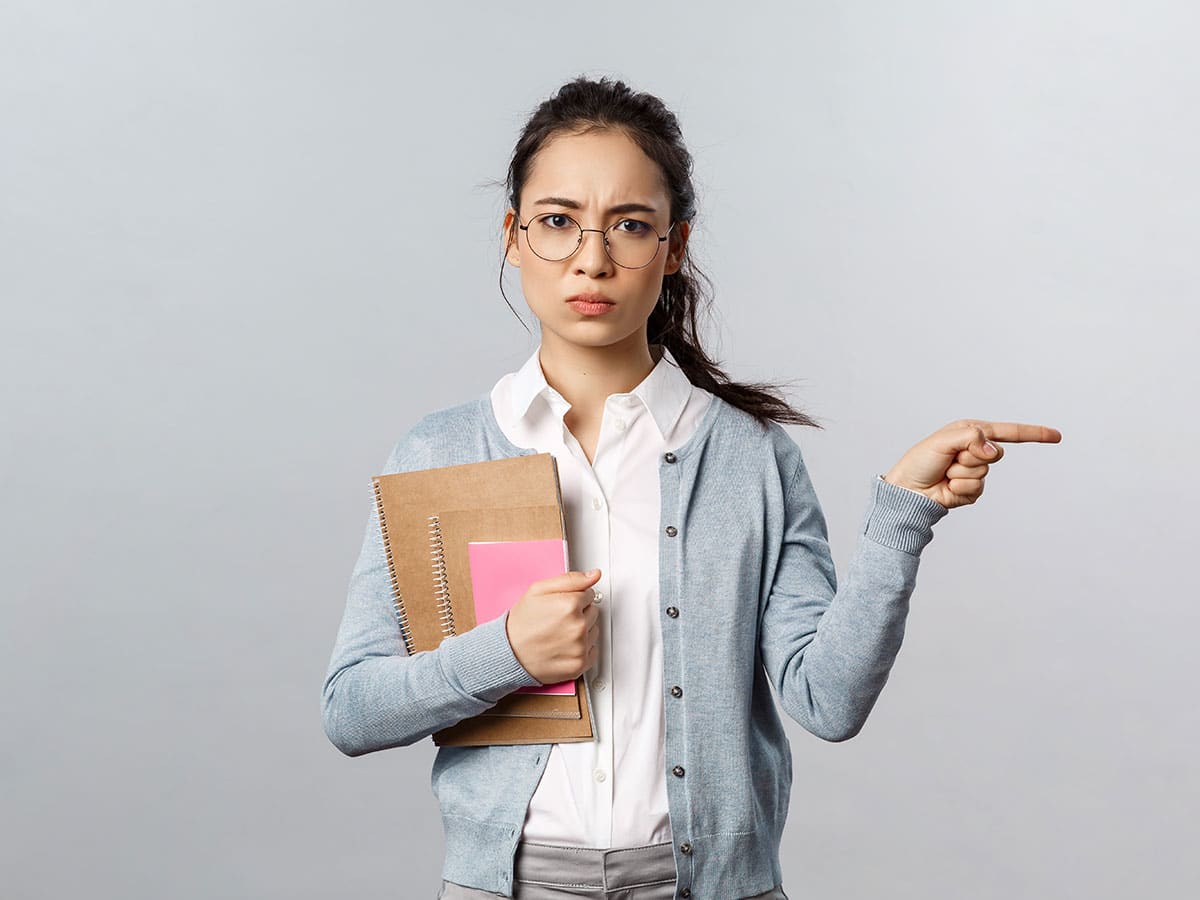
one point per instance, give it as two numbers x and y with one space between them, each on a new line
664 392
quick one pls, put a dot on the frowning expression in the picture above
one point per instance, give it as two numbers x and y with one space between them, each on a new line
601 179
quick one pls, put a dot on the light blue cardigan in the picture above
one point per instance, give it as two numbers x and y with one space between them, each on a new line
748 599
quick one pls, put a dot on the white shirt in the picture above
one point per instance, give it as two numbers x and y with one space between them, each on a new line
610 792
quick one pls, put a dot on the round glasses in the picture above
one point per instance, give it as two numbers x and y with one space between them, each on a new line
630 243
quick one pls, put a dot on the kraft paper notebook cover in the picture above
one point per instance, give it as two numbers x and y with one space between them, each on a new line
428 518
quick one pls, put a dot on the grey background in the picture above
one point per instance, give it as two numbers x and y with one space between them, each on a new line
244 246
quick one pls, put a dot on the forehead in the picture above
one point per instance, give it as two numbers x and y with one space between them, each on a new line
594 168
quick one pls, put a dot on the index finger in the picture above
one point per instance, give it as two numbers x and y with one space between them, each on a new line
1020 432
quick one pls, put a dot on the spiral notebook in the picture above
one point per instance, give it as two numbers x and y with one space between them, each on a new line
459 540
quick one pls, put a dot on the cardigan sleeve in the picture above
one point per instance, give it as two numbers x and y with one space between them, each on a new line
375 696
828 650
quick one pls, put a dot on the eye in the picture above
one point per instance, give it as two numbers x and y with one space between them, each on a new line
556 221
635 227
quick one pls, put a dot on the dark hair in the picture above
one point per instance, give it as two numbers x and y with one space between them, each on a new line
584 105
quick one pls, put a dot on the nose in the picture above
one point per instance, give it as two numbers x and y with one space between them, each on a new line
592 256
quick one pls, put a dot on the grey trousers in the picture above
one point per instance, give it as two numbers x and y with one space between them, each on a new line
549 872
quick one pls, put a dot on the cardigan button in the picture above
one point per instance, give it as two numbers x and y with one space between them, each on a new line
672 612
685 847
671 531
676 691
677 771
669 457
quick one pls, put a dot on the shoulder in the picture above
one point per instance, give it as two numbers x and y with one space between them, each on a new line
425 442
739 435
462 420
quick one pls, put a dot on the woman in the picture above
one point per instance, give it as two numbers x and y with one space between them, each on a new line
701 572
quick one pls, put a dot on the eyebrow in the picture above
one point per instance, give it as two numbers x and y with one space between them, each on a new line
619 208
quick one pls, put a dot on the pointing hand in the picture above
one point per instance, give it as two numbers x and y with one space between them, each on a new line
949 466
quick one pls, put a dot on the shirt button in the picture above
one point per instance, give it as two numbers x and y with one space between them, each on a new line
598 598
672 612
672 531
676 691
685 847
597 503
686 892
600 685
620 425
598 774
677 771
669 457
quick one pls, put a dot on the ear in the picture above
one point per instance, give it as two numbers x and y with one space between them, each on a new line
676 243
508 234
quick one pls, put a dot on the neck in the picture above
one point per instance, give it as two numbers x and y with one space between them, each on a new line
586 376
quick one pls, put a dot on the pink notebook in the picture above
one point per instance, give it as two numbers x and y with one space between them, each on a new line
501 572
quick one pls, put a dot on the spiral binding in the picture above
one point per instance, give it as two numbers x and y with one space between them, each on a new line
441 585
397 597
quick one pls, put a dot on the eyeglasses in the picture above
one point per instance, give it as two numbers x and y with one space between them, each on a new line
630 243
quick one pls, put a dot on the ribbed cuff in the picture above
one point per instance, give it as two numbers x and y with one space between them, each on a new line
901 518
484 661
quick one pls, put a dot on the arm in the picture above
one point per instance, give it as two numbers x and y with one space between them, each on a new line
375 695
828 652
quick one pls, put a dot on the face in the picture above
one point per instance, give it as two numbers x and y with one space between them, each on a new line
585 176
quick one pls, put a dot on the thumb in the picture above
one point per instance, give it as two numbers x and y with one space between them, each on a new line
570 580
984 449
573 577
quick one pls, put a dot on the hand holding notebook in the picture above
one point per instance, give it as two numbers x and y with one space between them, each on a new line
553 628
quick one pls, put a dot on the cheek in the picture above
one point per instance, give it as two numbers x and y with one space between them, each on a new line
541 288
651 286
534 275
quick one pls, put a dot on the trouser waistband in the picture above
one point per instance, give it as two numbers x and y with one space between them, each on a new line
591 868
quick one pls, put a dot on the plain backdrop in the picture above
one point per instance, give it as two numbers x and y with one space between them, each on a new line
245 246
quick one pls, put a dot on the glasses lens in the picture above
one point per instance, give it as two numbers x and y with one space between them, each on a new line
632 243
553 236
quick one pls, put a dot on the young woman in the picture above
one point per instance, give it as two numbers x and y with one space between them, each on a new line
701 573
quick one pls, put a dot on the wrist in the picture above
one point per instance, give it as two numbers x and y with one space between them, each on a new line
892 479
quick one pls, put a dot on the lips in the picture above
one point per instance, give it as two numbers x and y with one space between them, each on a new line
589 298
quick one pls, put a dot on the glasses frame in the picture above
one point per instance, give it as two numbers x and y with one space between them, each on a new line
600 231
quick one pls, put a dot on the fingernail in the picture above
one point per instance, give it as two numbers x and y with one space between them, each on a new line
990 448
